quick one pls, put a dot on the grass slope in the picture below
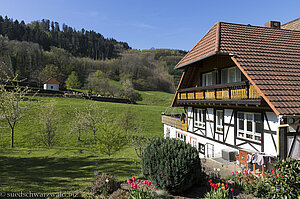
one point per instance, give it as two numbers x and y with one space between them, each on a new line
71 165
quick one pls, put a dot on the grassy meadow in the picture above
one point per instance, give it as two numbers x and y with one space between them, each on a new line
71 165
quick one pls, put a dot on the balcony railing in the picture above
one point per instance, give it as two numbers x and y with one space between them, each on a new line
175 122
238 90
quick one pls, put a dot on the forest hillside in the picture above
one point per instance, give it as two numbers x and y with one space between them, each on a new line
43 49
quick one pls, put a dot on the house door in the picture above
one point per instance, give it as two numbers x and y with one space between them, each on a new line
210 150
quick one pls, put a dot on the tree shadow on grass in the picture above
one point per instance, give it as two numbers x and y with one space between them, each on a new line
119 167
46 174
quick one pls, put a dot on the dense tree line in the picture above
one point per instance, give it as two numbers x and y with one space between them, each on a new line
147 69
48 33
30 52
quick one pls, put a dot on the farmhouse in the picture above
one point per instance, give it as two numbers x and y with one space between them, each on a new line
240 90
51 84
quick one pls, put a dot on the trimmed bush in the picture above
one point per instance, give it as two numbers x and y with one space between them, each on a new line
104 184
171 164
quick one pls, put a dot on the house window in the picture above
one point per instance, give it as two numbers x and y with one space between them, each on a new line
168 132
201 148
181 136
51 87
229 75
219 121
209 79
249 126
199 115
194 142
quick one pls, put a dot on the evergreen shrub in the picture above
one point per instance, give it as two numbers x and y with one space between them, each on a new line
171 164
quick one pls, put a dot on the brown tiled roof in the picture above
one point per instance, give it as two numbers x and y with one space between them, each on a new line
207 45
51 81
269 58
292 25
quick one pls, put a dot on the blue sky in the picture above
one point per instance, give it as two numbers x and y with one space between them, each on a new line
153 23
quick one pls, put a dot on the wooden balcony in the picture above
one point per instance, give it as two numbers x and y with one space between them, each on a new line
175 122
239 92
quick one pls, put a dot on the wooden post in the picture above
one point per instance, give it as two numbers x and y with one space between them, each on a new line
247 89
215 93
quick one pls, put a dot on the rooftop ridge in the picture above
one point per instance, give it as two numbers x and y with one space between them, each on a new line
262 27
291 21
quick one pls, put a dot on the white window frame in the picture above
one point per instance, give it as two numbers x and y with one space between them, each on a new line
199 115
245 134
219 127
210 75
237 75
194 142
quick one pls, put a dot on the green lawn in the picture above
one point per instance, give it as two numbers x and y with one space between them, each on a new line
70 165
60 169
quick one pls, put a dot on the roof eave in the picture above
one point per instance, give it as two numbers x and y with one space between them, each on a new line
204 57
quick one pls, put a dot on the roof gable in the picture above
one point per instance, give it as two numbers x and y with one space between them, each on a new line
51 81
207 45
269 58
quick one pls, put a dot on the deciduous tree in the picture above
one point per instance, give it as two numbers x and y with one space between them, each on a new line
48 120
73 81
79 123
13 104
94 117
111 138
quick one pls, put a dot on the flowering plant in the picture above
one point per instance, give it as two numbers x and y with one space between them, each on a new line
139 189
219 191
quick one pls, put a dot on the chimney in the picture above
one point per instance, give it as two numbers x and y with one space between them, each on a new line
273 24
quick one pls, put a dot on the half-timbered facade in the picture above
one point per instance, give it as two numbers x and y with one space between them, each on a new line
240 89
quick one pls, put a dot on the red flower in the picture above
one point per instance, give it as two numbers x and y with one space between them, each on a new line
254 178
231 189
149 183
236 172
276 176
238 177
128 181
145 182
226 185
135 186
272 171
138 180
263 174
232 173
133 179
210 180
131 185
241 178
